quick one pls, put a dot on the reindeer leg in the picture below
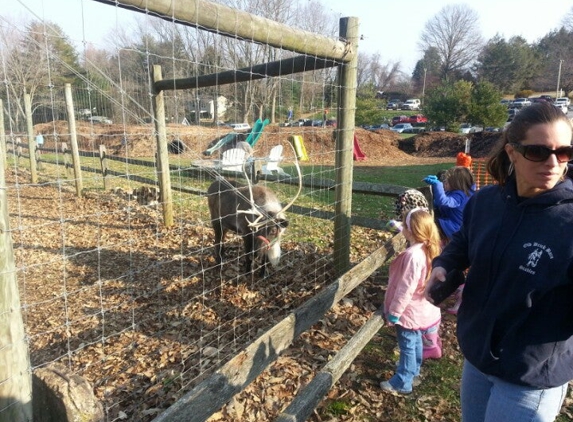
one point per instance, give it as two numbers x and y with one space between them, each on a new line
249 241
263 273
219 237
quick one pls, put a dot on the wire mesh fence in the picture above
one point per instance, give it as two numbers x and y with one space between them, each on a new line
142 310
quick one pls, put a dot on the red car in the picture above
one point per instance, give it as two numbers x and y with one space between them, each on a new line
400 119
417 118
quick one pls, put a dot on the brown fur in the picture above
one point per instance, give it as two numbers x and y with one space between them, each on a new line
225 198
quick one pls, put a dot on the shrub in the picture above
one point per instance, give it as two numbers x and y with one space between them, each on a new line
524 93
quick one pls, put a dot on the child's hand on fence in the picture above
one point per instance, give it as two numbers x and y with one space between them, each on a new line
431 179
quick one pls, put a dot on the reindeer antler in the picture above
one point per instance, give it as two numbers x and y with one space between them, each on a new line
257 223
297 165
254 210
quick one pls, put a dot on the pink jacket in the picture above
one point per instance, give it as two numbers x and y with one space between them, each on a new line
405 293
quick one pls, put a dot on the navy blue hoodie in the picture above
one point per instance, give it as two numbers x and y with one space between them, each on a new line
516 317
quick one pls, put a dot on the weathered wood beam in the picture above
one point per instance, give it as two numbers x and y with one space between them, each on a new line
235 23
213 392
278 68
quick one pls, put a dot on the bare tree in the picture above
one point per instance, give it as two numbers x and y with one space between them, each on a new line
567 21
455 33
34 61
373 74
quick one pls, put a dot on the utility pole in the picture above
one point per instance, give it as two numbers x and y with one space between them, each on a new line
424 88
558 91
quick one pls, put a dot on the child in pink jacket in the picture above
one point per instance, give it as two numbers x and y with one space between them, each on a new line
405 305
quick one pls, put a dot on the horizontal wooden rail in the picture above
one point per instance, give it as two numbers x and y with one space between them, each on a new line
312 394
224 20
198 172
211 394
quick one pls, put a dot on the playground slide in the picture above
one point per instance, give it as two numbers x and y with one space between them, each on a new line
256 131
298 144
230 137
357 152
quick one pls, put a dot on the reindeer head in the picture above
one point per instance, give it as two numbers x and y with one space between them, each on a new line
268 238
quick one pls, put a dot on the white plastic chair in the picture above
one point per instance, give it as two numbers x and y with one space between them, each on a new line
233 159
273 160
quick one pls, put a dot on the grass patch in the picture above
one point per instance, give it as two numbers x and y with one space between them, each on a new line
338 408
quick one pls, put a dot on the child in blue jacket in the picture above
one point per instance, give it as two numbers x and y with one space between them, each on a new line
450 199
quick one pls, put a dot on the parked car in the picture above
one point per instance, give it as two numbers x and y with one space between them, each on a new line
562 101
378 127
547 98
562 107
520 102
401 127
331 122
394 104
102 120
416 129
469 128
400 119
240 127
412 104
506 102
511 113
417 118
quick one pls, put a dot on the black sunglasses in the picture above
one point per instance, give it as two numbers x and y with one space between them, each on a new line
539 153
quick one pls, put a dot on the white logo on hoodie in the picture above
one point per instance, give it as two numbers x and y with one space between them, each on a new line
534 256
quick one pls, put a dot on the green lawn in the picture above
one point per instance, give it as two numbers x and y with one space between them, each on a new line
364 205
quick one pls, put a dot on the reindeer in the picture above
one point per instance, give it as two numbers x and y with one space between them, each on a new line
254 213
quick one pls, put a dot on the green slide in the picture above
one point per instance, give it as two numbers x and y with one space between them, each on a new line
256 131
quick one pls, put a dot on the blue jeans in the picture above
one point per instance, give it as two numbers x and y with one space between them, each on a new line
410 343
486 398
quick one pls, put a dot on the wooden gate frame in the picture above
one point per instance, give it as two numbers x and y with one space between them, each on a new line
318 52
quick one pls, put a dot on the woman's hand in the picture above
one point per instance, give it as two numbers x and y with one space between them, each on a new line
438 275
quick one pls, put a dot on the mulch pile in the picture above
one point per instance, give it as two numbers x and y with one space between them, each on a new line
381 147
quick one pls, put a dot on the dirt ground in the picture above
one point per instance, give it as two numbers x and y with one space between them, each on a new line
143 313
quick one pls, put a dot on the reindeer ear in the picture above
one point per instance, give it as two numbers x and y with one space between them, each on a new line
282 223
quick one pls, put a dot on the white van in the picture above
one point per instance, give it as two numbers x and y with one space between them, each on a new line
411 104
240 127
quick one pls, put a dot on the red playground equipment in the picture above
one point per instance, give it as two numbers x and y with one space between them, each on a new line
357 152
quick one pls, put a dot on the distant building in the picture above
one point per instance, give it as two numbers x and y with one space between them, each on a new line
208 108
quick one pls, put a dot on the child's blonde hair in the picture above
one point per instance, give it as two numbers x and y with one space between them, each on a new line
422 226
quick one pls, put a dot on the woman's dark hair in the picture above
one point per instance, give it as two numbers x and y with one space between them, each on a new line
516 132
460 178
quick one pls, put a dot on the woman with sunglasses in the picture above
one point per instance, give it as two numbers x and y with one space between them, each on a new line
515 323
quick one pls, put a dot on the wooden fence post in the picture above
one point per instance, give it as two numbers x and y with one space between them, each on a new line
347 74
74 139
15 370
103 162
31 139
162 152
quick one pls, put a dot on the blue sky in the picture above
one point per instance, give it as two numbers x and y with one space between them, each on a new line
391 28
